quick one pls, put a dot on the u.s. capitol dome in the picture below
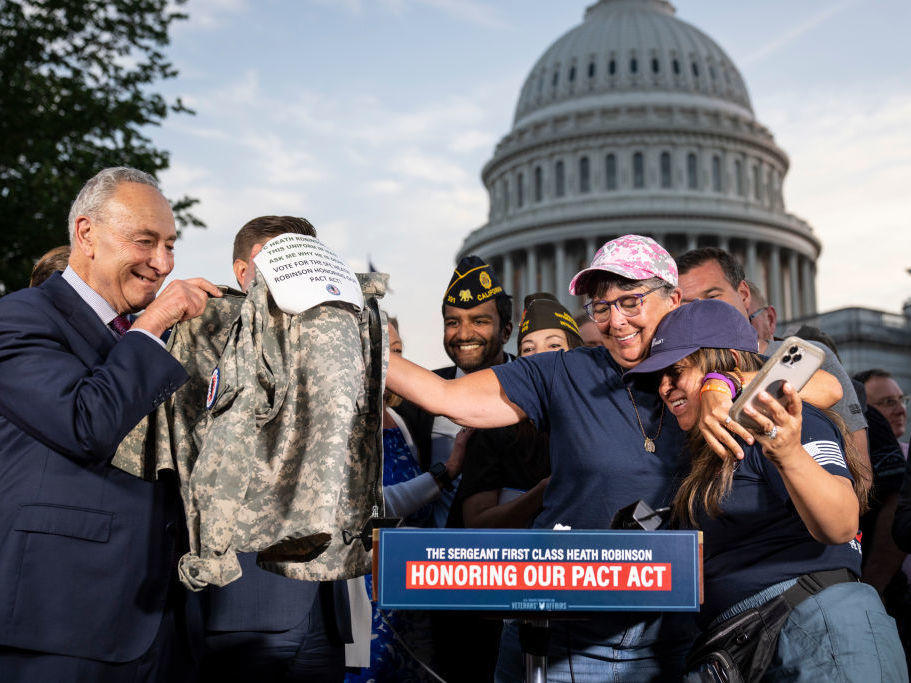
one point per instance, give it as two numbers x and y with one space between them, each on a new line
638 122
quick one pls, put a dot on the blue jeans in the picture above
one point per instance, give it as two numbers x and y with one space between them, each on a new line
840 634
614 647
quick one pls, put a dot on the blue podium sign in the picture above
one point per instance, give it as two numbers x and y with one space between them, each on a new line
539 571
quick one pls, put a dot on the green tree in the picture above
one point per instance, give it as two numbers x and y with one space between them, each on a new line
74 98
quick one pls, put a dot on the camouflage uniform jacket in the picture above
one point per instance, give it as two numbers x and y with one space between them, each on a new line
289 454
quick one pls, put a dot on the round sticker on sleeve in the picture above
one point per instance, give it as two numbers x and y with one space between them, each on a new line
213 389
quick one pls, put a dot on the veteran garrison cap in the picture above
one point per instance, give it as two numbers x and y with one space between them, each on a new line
473 282
542 311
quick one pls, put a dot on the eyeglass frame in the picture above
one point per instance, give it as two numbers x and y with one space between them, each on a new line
891 402
756 313
616 304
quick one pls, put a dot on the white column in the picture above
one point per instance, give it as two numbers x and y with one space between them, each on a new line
561 281
591 246
724 242
774 293
691 241
508 277
794 276
531 271
807 286
813 304
752 267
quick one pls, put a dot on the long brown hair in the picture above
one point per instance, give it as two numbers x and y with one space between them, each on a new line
710 478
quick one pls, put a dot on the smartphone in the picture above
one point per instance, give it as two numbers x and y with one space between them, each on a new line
795 361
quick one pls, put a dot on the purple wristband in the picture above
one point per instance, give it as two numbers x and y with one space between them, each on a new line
726 380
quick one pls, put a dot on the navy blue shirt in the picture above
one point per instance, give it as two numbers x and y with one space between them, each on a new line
597 456
760 540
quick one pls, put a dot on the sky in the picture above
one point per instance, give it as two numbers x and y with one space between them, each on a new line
373 118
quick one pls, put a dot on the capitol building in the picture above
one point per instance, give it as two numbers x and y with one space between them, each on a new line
637 122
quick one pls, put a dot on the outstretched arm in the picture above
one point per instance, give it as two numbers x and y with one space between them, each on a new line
475 400
826 502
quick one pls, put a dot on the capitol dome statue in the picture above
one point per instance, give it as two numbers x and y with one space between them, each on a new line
637 122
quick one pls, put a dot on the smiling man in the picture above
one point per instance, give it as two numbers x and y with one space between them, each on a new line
87 552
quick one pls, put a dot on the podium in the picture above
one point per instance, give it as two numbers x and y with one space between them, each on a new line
537 575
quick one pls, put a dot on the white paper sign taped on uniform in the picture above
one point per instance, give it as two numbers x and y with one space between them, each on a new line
302 272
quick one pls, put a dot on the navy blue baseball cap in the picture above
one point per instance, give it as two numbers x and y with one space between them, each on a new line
700 324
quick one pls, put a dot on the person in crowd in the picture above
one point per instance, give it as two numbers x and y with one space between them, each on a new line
588 330
88 555
264 625
507 469
762 315
712 273
49 263
790 508
408 493
477 322
609 446
884 394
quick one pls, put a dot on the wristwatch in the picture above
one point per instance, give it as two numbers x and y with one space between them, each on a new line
438 471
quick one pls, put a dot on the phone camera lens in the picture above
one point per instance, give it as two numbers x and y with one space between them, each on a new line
792 350
786 360
797 358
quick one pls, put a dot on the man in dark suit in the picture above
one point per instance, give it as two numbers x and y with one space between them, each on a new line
87 552
265 626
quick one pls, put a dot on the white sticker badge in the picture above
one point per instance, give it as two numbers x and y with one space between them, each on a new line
302 272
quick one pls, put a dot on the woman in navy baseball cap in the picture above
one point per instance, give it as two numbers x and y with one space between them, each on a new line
780 555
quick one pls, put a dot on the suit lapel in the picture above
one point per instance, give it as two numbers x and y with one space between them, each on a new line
78 314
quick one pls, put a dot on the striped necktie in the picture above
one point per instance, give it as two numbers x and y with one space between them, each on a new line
120 324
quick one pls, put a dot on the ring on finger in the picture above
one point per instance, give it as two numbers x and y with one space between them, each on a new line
772 433
727 420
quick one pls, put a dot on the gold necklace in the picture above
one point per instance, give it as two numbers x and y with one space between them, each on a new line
649 440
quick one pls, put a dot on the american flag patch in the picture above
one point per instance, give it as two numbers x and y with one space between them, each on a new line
826 453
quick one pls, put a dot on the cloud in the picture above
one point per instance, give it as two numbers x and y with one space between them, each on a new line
208 14
472 12
851 162
796 32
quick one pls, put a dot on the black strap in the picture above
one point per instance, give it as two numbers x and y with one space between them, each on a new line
816 582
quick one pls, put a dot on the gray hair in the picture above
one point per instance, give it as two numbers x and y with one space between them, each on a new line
100 188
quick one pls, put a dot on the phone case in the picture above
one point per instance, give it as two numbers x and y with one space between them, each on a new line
795 361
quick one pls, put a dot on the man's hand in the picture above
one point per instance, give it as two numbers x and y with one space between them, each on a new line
457 454
180 300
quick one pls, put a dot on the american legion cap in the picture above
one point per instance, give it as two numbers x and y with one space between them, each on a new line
543 312
473 282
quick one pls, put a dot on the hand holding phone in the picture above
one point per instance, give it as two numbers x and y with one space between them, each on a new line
795 361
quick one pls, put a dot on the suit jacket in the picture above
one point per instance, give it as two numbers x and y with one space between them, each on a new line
262 601
85 549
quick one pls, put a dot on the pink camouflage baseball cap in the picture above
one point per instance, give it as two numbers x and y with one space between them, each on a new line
632 256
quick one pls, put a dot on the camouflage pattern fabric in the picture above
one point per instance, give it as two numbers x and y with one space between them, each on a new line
290 453
170 438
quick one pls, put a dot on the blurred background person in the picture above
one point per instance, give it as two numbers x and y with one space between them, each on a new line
52 261
588 330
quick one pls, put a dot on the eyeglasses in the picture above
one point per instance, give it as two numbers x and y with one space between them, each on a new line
892 402
757 312
628 304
